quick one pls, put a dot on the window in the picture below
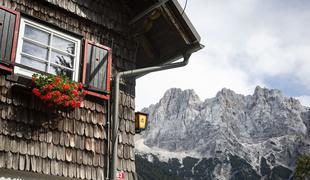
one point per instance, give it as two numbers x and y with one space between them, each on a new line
27 47
46 50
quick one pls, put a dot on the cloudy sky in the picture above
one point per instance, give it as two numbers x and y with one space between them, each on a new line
247 43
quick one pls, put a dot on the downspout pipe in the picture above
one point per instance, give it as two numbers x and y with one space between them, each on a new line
108 137
132 73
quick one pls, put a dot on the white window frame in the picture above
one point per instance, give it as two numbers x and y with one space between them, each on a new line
23 23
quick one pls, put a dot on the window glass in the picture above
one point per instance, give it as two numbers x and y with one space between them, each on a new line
64 45
35 50
62 59
36 34
57 70
33 63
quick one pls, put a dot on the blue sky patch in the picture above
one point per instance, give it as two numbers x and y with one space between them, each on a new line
288 84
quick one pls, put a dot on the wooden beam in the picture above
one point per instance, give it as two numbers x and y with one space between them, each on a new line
150 9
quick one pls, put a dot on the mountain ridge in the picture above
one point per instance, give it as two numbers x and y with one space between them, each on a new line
266 125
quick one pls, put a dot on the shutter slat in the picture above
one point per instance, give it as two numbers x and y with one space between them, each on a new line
100 81
97 68
93 67
2 14
104 72
89 63
6 21
10 38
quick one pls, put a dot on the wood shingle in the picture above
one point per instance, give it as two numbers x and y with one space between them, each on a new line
69 144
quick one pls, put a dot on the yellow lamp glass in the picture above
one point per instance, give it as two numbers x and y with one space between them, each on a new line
140 121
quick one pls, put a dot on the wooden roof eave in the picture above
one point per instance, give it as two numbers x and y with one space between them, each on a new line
173 21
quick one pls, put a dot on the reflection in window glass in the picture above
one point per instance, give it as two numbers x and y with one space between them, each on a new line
35 50
62 59
33 63
63 44
36 34
56 70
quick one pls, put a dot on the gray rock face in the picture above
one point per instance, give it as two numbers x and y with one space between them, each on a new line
263 125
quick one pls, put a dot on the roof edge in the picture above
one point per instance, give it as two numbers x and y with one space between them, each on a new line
182 17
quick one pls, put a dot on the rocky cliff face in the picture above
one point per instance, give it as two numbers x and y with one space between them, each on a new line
265 129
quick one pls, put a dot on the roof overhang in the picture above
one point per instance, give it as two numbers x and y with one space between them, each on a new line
163 32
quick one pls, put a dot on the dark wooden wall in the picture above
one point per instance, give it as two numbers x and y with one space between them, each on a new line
70 144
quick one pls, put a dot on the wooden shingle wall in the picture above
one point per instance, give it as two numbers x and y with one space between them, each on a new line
126 156
97 20
35 138
71 144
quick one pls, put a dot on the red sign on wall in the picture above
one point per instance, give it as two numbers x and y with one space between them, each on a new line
120 175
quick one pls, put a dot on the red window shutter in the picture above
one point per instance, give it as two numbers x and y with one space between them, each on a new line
97 69
9 27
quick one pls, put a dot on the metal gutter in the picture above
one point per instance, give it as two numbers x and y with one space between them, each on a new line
191 50
132 73
108 130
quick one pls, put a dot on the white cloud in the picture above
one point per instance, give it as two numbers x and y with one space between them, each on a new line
304 100
246 42
205 77
266 57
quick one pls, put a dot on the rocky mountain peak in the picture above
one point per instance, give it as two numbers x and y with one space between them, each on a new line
225 92
262 91
268 94
177 94
263 125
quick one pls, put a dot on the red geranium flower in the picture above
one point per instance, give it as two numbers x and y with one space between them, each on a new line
58 100
78 104
67 104
57 91
36 92
48 96
57 79
73 103
80 85
65 97
49 87
65 87
75 92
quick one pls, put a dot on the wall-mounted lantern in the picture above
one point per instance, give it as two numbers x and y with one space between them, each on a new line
140 121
